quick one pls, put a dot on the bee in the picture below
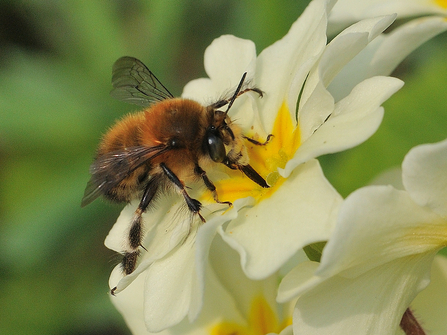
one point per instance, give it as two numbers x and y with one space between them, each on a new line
163 147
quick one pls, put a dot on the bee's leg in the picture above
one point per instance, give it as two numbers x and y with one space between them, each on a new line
269 137
209 185
136 228
224 102
253 175
193 204
252 89
239 91
248 171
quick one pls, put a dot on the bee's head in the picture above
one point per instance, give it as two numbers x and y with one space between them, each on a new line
218 135
223 139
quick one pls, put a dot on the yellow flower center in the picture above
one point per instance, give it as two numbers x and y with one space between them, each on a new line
261 320
265 159
441 3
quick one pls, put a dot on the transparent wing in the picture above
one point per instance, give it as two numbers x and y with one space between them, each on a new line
110 169
134 83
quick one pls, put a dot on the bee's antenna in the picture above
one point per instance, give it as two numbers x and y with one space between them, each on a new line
237 92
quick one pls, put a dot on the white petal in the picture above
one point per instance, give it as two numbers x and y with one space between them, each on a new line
346 12
115 240
300 212
227 58
355 119
201 90
316 103
430 306
424 176
299 279
205 237
219 306
372 303
226 264
175 283
170 287
392 176
287 331
386 52
282 67
402 41
130 304
377 224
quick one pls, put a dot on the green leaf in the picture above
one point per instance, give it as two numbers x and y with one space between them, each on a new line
314 250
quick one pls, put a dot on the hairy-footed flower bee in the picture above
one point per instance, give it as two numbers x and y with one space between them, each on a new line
163 147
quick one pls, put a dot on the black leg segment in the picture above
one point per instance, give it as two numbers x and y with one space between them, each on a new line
193 204
209 185
269 137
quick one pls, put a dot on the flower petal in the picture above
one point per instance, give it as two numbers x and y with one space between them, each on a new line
130 303
175 283
392 176
282 67
430 306
424 176
115 240
346 12
354 119
226 264
226 60
219 306
372 303
386 52
377 224
298 280
316 103
268 234
171 287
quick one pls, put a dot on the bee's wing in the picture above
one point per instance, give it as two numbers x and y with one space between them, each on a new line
110 169
134 83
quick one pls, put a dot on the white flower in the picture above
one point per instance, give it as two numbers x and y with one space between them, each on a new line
265 226
380 254
273 225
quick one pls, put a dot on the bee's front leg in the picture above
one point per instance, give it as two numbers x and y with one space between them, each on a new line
269 137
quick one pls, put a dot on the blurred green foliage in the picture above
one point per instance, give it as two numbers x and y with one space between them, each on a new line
55 68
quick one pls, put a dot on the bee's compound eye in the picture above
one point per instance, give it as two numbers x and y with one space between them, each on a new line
216 147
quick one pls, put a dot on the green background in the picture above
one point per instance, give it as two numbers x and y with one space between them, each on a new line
55 69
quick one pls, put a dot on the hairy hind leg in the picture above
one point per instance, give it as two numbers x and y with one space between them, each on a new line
135 236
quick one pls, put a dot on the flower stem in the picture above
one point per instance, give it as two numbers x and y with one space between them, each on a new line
410 325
